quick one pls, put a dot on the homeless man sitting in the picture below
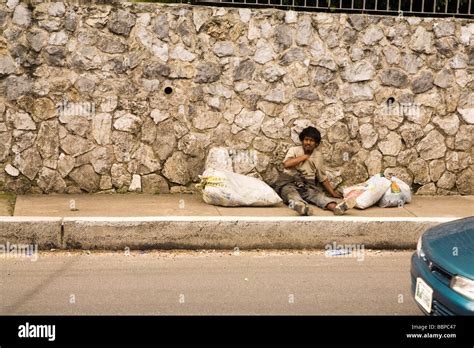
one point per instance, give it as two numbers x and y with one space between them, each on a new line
304 177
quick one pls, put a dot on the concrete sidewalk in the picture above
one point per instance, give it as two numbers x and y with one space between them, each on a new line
139 221
132 205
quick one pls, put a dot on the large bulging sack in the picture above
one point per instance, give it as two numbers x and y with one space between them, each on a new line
368 192
228 189
396 195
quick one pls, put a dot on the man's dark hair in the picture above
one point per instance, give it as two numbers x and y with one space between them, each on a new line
312 133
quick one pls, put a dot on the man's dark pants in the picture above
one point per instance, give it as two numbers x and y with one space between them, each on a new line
298 189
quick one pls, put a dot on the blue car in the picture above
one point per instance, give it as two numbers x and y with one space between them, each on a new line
442 269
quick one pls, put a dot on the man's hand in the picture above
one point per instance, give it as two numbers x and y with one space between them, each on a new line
330 190
291 162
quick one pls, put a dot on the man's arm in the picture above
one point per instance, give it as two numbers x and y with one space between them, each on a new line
291 162
330 190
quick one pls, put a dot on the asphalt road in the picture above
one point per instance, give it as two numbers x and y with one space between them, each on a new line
206 282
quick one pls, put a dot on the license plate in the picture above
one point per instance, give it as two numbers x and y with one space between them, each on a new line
423 294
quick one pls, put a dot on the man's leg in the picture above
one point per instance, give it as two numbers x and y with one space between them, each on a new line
318 197
292 197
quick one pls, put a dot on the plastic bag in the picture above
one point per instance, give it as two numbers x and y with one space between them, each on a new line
396 195
228 189
368 192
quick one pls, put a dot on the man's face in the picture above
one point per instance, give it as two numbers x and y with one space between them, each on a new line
309 144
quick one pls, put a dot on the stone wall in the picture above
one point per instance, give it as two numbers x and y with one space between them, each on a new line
134 96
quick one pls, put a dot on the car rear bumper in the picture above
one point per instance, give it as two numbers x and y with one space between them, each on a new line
446 301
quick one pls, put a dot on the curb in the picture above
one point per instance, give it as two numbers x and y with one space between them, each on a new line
43 231
215 232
